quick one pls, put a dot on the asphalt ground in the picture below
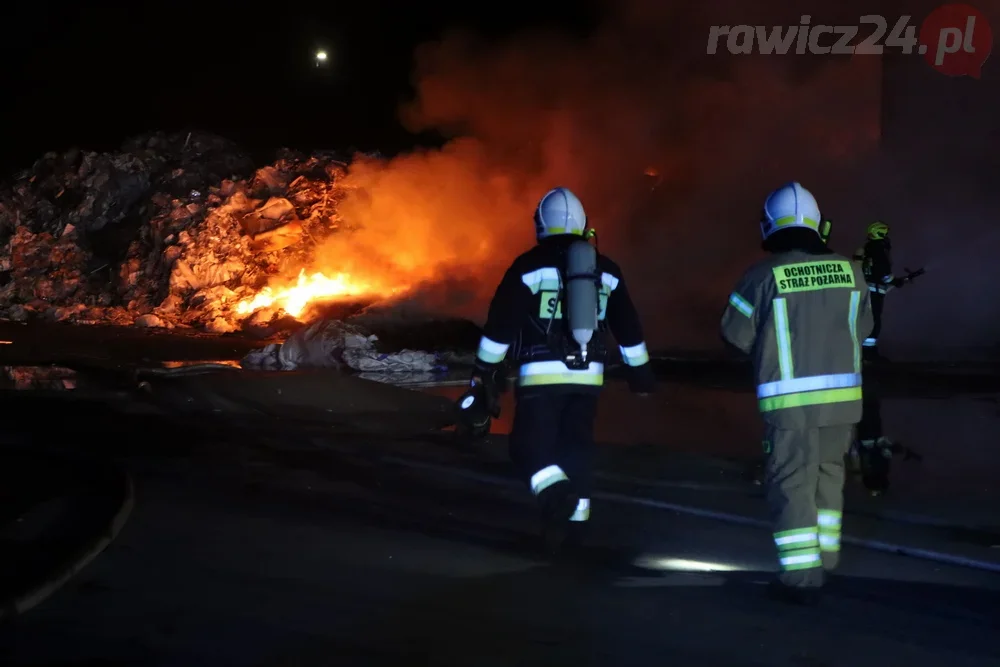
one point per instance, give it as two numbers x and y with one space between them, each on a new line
318 551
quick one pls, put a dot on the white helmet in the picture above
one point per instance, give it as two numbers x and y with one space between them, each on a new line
559 212
791 205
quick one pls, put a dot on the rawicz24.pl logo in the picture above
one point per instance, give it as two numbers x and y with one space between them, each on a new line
954 39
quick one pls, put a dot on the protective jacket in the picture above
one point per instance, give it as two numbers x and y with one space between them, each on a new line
527 307
877 266
802 318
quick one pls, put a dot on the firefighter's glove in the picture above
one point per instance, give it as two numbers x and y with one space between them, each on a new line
489 382
493 376
474 412
898 282
913 275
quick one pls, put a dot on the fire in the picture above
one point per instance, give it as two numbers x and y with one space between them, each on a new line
316 287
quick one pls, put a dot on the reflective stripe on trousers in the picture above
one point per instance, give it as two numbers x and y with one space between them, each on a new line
550 475
870 342
812 390
537 373
829 530
546 477
582 512
798 549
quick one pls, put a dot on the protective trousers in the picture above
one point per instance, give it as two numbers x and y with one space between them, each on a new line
805 494
870 426
552 440
878 302
875 459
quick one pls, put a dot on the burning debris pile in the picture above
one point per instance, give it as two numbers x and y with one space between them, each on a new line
173 231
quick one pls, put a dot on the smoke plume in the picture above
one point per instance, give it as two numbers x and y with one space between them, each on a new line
671 150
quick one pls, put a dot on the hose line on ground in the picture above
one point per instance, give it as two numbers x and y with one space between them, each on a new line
38 594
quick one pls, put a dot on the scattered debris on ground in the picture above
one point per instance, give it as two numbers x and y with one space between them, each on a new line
45 378
334 344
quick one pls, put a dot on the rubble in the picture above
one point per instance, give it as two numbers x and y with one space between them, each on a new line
38 378
340 345
172 231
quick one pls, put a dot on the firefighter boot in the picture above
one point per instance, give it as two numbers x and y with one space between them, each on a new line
558 503
876 462
579 525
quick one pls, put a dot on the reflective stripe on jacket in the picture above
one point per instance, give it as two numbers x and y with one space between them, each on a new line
802 318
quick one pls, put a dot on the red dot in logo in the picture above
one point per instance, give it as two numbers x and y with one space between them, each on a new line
956 40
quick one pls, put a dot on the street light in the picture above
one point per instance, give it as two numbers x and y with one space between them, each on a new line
320 57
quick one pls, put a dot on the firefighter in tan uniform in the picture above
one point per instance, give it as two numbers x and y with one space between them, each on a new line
801 315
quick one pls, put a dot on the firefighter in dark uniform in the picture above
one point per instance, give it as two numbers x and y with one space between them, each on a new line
551 440
876 263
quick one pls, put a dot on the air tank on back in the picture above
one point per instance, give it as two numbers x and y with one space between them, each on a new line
582 293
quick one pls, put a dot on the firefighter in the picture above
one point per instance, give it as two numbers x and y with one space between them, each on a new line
541 309
801 315
868 454
876 262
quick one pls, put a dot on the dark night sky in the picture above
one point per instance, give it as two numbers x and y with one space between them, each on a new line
92 75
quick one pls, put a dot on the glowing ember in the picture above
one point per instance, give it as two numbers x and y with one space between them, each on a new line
308 289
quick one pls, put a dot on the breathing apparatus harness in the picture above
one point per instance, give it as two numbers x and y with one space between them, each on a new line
561 339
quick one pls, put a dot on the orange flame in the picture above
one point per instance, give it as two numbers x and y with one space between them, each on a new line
317 287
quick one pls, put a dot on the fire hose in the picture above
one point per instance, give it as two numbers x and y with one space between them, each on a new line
37 594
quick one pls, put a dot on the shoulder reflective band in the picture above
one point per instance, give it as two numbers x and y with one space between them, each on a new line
635 355
491 351
538 373
811 276
546 278
852 322
741 304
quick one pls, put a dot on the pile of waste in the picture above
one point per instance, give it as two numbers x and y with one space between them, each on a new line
343 346
171 231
